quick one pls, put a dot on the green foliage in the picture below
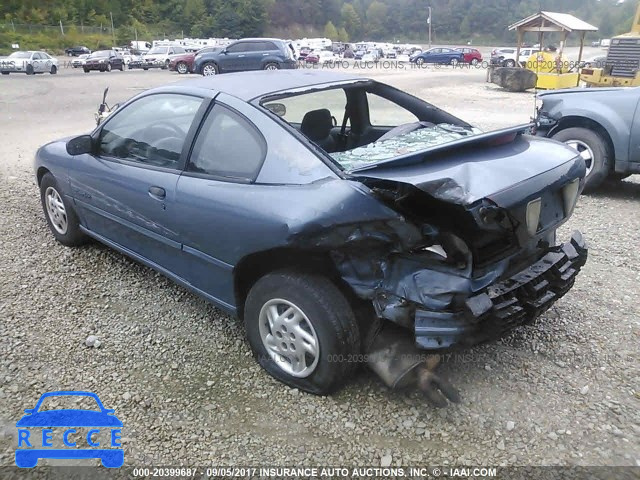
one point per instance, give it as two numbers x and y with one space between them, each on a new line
453 20
330 31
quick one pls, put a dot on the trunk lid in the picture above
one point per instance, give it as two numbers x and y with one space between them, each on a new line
482 166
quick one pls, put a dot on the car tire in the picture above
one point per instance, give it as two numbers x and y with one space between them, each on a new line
419 61
53 70
594 149
6 73
30 70
271 66
61 217
121 68
86 70
166 65
509 63
108 67
182 68
326 317
454 62
209 69
475 62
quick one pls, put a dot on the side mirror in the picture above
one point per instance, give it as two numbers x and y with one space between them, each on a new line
277 108
224 51
80 145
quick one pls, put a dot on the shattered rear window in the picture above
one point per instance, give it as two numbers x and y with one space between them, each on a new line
395 144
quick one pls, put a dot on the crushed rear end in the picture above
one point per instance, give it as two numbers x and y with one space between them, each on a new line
482 257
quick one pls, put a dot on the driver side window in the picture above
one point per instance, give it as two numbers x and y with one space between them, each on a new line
151 131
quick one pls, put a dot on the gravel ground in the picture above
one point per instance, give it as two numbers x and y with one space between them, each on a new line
564 391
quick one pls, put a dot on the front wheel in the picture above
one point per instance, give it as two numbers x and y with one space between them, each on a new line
209 69
509 63
30 70
182 68
594 150
474 62
86 70
6 73
61 217
53 70
419 61
108 67
302 331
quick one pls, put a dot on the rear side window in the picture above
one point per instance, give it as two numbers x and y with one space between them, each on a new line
227 146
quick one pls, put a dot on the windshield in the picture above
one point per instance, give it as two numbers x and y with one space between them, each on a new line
157 50
20 55
100 54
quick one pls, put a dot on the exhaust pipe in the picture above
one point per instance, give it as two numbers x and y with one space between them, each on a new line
394 357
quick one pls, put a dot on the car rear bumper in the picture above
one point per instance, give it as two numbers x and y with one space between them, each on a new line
506 304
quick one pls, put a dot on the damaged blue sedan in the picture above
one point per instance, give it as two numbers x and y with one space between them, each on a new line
321 208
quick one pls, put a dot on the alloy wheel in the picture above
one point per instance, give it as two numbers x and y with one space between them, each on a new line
56 211
289 337
585 152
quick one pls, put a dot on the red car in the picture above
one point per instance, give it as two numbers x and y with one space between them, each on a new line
471 55
312 57
183 62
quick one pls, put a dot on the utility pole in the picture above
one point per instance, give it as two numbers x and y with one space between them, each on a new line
113 33
61 29
429 22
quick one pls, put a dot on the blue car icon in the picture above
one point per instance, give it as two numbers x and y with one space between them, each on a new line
68 418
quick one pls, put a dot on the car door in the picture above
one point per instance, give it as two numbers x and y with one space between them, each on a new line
434 55
261 53
125 191
214 197
232 58
36 62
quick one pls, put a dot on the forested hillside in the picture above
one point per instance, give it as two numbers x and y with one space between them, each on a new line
455 20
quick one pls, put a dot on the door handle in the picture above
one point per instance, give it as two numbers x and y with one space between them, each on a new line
239 56
157 192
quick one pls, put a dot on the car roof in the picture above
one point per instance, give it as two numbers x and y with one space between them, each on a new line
251 85
259 39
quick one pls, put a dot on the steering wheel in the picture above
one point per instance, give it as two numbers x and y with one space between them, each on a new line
174 130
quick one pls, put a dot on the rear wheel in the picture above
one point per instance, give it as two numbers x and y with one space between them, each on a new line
272 66
509 63
595 151
302 330
86 70
6 73
454 62
108 67
474 62
61 217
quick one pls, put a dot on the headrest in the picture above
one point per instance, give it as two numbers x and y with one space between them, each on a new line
317 124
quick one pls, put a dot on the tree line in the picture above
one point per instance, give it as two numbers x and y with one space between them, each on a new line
383 20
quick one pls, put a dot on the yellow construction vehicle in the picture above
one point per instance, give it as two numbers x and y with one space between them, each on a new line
622 67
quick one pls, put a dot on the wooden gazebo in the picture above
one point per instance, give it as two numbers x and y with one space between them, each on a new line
564 23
